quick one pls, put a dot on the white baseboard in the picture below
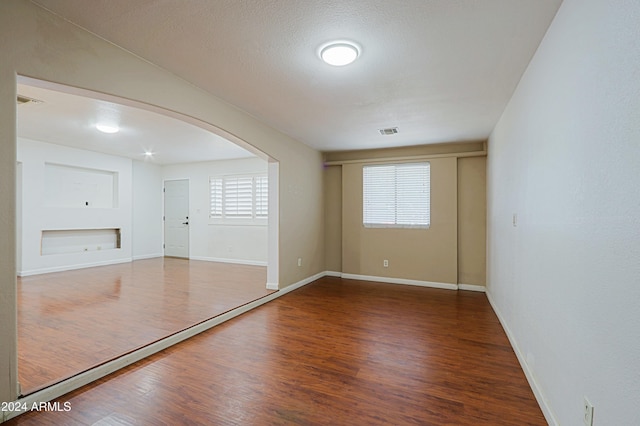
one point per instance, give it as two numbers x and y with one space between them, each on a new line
272 286
235 261
537 392
72 267
303 282
332 274
404 281
59 389
472 287
148 256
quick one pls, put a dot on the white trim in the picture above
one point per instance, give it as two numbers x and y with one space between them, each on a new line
404 281
235 261
72 267
273 228
472 287
302 283
59 389
148 256
537 391
333 274
272 286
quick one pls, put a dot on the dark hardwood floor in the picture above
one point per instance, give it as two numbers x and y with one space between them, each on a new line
71 321
338 352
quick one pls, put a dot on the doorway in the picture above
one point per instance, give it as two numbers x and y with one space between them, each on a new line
176 218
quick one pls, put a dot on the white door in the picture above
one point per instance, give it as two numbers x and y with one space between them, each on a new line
176 218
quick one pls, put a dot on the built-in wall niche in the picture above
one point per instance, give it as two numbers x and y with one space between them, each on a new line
79 240
78 187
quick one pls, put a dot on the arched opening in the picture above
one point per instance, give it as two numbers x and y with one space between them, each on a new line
91 228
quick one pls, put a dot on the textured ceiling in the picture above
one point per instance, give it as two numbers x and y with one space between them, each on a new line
439 70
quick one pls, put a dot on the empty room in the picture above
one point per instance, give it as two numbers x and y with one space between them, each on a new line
444 212
109 256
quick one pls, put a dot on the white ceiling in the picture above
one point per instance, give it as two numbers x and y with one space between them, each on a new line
439 70
69 119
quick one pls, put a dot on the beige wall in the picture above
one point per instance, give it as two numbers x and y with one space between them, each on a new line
472 220
38 44
438 149
333 218
452 250
8 321
415 254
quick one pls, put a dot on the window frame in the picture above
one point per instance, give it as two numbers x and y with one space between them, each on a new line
369 222
259 200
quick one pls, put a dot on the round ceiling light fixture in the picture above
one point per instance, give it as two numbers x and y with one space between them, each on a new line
107 128
339 53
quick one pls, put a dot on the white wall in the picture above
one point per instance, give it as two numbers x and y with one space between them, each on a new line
147 210
565 158
209 241
39 215
138 213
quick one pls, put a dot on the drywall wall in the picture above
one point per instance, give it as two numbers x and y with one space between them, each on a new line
467 161
147 210
48 167
8 296
37 44
564 158
413 254
333 218
472 220
406 152
212 240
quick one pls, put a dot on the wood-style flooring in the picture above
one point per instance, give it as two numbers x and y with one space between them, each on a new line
71 321
335 352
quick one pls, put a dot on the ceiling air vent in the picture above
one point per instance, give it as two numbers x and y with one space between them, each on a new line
25 100
388 131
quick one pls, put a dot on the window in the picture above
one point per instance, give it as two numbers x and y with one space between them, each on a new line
239 197
397 195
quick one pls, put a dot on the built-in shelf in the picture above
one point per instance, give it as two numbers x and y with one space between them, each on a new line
79 240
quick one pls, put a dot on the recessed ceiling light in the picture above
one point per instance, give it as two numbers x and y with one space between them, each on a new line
107 128
148 154
339 53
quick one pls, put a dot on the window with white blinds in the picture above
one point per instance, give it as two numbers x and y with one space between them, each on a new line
397 195
239 197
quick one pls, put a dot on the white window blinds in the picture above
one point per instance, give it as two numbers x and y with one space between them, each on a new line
239 197
215 184
397 195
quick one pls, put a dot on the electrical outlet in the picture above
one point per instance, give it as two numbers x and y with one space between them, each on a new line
299 261
588 412
385 263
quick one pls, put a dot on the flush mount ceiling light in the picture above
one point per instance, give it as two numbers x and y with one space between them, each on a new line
107 128
339 53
